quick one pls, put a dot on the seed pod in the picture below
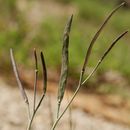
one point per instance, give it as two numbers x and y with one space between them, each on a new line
18 78
97 35
65 62
44 73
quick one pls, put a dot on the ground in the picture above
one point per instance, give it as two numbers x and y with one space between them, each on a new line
13 114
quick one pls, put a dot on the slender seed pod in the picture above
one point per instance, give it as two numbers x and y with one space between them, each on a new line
105 54
23 93
44 74
35 78
65 62
97 35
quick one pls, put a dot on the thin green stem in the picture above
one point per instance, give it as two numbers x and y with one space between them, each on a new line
70 115
30 121
58 108
28 111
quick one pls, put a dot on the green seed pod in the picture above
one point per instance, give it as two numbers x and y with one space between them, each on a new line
65 62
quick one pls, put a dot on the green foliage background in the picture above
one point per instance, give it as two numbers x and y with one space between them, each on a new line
15 33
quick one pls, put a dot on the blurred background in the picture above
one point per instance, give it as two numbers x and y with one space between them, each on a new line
28 24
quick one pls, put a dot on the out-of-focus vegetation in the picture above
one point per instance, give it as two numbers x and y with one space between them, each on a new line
17 32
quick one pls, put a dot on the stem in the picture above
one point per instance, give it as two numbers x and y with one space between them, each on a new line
70 115
30 121
75 93
50 110
77 90
34 113
28 111
58 109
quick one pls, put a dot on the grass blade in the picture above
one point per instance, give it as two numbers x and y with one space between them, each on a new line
65 62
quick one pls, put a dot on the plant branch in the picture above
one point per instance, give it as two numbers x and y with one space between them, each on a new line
97 35
44 90
89 76
34 113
